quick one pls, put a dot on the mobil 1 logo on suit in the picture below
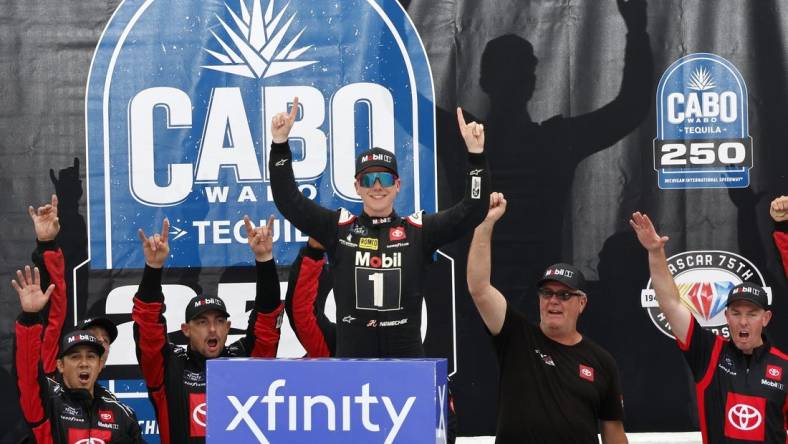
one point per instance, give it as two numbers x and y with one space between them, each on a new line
179 102
378 280
703 138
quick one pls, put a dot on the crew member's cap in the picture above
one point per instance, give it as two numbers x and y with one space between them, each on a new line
80 337
566 274
101 321
200 304
749 292
376 157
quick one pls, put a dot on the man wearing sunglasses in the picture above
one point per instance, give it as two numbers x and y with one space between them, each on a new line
556 385
378 257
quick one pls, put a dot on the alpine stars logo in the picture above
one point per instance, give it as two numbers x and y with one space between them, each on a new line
703 136
704 280
178 118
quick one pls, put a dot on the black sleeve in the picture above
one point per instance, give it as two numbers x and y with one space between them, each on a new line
699 349
269 295
38 259
514 323
309 217
452 223
150 285
612 404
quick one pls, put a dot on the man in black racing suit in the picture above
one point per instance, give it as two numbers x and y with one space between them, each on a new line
377 258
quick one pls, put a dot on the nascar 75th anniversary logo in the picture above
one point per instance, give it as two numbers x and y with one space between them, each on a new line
180 97
704 279
703 138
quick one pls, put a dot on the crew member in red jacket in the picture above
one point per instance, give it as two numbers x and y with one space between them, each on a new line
779 212
176 377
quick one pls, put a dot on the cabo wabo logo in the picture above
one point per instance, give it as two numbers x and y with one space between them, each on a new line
704 279
179 102
703 138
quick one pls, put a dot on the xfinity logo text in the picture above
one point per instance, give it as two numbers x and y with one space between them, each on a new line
352 406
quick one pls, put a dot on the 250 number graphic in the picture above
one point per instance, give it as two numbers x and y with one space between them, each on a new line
734 153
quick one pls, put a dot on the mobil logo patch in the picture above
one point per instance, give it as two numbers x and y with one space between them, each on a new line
704 278
703 138
179 102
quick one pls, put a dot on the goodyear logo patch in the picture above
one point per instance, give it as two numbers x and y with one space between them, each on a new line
368 243
179 102
703 138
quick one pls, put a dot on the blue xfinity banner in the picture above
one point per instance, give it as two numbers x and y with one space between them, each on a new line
327 401
703 138
179 102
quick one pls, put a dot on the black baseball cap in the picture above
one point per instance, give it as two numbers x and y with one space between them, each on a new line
376 157
80 337
101 321
749 292
200 304
566 274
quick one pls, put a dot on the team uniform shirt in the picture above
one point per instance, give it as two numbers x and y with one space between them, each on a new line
780 236
175 377
741 399
550 392
377 262
57 414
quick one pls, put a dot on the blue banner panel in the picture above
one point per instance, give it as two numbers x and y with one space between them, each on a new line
180 98
326 401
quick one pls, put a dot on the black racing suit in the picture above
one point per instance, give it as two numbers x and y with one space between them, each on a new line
57 414
378 262
176 377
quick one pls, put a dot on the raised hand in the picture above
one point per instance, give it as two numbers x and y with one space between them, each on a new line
779 209
647 234
156 248
472 133
261 239
28 287
282 123
497 207
45 220
634 14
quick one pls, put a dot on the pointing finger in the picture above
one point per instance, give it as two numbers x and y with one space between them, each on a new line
461 118
165 230
294 110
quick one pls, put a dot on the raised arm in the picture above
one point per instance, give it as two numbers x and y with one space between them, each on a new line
303 213
29 373
779 212
49 258
452 223
678 315
150 328
489 301
263 328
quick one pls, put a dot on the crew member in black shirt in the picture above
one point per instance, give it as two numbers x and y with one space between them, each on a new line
739 381
556 385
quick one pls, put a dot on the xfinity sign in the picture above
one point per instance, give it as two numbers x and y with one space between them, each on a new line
179 101
327 401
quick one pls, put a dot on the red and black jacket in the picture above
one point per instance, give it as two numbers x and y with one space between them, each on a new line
378 263
741 399
780 236
50 261
57 414
176 377
307 289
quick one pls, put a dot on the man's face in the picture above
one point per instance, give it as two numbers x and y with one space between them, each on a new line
80 367
378 200
746 322
101 334
557 314
207 333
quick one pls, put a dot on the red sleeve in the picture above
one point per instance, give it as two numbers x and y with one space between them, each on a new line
150 337
306 326
56 268
267 332
30 378
781 241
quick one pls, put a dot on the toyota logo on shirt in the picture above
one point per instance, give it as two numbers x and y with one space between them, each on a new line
198 411
90 441
586 372
745 417
775 373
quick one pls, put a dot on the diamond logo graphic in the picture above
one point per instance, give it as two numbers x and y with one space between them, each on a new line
705 299
255 47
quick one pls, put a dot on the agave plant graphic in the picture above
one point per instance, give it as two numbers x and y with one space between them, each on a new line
257 39
700 80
